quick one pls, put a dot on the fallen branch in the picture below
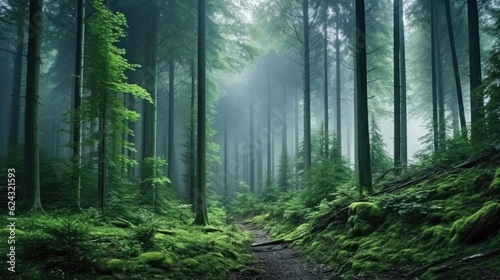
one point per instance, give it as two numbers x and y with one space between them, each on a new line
125 221
480 255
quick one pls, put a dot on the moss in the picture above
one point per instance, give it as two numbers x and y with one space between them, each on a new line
152 258
461 229
364 218
114 265
495 184
189 262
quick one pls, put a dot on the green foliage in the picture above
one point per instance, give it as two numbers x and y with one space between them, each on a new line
106 82
380 159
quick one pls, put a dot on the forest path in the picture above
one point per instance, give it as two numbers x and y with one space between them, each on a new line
274 262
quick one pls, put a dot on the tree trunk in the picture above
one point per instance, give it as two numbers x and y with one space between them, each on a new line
226 186
475 66
434 80
201 200
171 116
337 78
397 87
77 101
17 82
325 82
192 146
402 54
32 200
284 149
364 174
252 148
149 109
269 171
456 73
307 89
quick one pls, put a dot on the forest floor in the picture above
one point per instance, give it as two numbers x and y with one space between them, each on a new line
276 262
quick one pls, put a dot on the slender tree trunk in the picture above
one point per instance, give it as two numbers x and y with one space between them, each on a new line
365 176
435 120
192 146
201 200
252 146
284 148
456 73
307 89
440 91
397 93
475 66
325 81
16 86
237 160
32 200
77 101
171 114
404 124
226 186
149 109
337 78
268 124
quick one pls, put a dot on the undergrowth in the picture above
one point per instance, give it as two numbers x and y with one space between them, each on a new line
421 231
61 245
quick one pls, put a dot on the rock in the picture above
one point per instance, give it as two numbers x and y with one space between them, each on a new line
364 217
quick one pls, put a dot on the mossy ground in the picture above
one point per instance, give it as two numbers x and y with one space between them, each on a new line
58 245
413 232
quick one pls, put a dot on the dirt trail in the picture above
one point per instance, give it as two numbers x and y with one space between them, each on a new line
274 262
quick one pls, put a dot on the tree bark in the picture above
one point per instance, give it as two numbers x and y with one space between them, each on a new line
307 89
397 88
337 78
201 217
456 73
475 66
268 124
404 128
434 80
171 124
17 82
32 200
252 146
149 109
364 174
325 81
77 102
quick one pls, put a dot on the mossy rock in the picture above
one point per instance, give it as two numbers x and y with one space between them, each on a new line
478 226
114 265
364 217
495 184
436 234
155 259
189 262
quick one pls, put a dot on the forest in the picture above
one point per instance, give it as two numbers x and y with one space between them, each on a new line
250 139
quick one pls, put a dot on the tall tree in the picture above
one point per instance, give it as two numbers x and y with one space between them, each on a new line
402 55
77 101
149 108
435 120
31 199
171 123
474 64
201 217
325 78
307 88
363 137
397 92
456 73
18 72
337 77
